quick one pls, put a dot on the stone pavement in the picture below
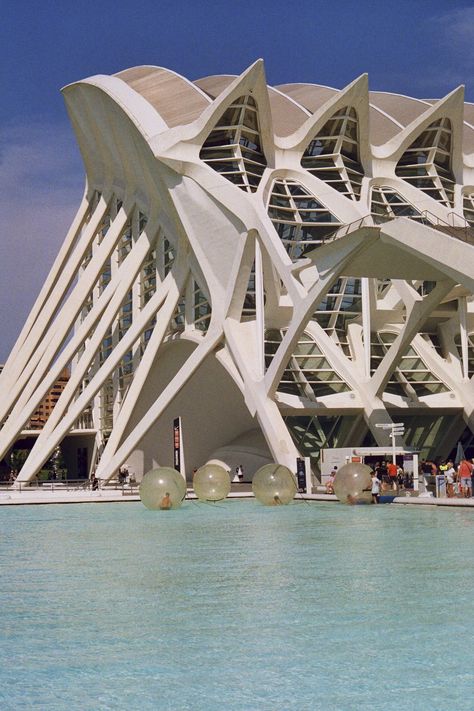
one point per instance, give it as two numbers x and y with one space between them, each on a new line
58 494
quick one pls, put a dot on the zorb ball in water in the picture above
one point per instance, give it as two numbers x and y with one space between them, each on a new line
352 483
211 483
273 484
162 488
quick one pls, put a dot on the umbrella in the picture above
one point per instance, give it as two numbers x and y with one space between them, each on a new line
459 454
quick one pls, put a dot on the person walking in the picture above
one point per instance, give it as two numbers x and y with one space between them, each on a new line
375 488
392 473
464 474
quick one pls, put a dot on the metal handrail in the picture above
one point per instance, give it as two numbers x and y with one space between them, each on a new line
464 232
342 230
49 484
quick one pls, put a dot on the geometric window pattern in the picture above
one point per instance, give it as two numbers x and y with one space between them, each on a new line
424 431
249 309
470 352
411 377
116 385
178 320
313 433
432 338
426 164
333 155
202 309
387 203
199 312
468 207
107 406
148 278
301 221
424 287
308 372
342 303
125 242
383 287
168 257
233 148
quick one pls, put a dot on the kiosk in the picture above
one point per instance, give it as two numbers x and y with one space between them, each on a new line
406 457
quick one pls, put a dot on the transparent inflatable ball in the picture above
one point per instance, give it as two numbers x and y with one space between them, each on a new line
274 484
211 483
352 484
162 489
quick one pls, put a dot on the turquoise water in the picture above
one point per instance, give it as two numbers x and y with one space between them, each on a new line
238 607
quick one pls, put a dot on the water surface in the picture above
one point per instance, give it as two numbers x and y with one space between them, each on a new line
235 607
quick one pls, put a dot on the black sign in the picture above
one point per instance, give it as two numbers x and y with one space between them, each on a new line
177 444
301 475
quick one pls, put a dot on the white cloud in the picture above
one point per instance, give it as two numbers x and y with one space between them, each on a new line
450 39
41 184
455 31
457 28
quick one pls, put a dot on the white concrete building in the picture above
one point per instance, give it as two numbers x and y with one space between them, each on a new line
284 268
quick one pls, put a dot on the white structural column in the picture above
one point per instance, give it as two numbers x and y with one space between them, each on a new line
419 311
260 308
186 371
462 307
366 325
44 331
59 425
180 274
102 314
334 262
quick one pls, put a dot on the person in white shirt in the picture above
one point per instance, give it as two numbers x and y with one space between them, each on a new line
450 477
375 489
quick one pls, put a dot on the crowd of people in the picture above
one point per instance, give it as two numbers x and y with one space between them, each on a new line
388 476
459 478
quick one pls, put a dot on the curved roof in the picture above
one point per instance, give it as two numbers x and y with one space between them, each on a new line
382 126
287 116
311 96
215 85
403 109
158 85
180 101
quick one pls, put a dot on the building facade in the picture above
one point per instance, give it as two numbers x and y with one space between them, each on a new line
283 268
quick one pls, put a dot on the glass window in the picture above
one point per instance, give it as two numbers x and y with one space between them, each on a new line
433 162
237 134
333 155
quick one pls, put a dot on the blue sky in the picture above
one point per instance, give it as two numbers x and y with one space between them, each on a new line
422 48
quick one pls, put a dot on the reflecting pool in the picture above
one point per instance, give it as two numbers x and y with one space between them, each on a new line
235 606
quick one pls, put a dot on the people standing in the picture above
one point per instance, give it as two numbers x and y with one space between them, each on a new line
400 477
464 474
450 477
375 488
392 473
330 482
381 472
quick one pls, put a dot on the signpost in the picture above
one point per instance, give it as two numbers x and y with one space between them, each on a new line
397 429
